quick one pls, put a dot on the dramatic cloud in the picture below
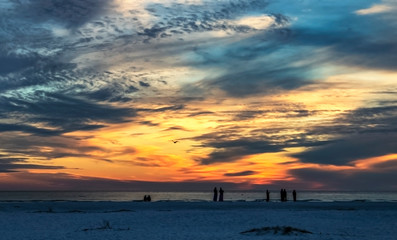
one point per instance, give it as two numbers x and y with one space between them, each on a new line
101 88
352 148
64 112
365 133
356 44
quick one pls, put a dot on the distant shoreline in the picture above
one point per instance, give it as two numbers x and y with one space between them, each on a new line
230 196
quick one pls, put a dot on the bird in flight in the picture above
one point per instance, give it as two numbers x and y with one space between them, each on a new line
174 141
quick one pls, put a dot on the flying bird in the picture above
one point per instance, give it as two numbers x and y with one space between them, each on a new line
174 141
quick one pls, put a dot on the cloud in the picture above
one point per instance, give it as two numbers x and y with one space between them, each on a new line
351 148
28 129
43 148
374 9
144 84
11 164
263 72
294 53
95 33
238 174
272 57
257 22
176 128
82 65
236 137
112 92
388 165
61 111
358 134
378 119
149 123
234 150
358 44
347 180
254 80
162 109
10 64
72 13
180 19
61 181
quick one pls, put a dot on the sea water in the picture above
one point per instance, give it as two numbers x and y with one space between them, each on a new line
308 196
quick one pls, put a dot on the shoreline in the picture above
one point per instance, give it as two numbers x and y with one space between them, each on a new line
196 196
198 220
204 205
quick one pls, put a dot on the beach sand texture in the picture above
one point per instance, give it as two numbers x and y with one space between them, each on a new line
198 220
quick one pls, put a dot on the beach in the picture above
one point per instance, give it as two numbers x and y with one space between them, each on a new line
198 220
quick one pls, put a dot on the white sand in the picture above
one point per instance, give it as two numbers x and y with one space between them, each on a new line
201 220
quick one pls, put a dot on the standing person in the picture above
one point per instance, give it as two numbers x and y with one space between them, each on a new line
282 195
294 195
285 195
215 194
267 196
221 194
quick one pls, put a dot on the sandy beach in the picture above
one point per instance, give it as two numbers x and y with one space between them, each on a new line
198 220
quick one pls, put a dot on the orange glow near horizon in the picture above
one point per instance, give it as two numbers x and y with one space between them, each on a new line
178 92
143 150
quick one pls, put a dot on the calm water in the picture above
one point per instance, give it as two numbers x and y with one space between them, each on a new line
196 196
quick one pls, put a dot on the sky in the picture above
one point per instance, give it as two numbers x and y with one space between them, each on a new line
185 95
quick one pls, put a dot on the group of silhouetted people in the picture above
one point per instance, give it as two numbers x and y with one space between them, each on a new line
283 195
147 198
220 194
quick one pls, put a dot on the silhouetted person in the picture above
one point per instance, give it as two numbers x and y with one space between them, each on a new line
294 195
215 194
145 198
267 196
221 194
282 195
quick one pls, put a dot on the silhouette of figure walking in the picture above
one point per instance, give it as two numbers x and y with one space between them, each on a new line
267 196
294 195
215 194
285 195
221 194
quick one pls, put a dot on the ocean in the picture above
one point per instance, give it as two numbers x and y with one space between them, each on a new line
307 196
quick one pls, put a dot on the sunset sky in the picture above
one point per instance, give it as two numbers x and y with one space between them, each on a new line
256 94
